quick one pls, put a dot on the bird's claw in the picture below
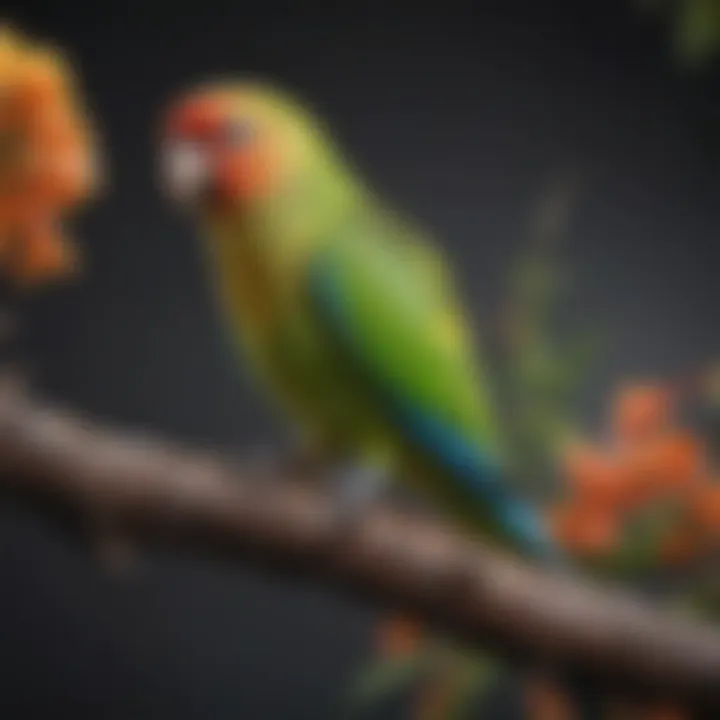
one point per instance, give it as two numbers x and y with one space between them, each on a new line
356 491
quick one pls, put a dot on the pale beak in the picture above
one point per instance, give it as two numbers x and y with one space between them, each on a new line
185 171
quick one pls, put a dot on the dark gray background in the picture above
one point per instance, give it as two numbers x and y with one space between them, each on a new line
460 117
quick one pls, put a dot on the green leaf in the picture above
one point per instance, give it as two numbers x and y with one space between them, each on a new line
642 539
472 682
383 678
704 602
543 370
463 677
697 34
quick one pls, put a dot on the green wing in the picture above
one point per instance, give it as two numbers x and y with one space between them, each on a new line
389 307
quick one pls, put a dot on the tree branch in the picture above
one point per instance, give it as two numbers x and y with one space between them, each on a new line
151 487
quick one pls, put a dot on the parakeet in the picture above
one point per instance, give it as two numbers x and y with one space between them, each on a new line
345 310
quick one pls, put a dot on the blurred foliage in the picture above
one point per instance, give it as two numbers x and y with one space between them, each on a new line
541 364
442 680
385 677
694 26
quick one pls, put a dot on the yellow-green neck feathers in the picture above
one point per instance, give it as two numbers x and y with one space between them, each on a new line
258 252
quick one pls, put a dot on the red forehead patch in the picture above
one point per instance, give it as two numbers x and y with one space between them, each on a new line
196 117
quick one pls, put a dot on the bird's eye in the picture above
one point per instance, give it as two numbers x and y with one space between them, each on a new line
239 133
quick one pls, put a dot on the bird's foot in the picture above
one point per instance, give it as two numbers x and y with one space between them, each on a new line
357 489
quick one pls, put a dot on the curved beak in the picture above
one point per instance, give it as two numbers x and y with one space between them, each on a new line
186 171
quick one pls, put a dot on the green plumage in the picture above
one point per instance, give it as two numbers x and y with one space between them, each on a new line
348 316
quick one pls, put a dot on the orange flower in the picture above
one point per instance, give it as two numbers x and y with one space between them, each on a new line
47 158
585 529
671 462
597 478
684 459
650 462
706 507
398 636
640 412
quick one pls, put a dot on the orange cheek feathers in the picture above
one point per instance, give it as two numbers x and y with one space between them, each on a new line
249 175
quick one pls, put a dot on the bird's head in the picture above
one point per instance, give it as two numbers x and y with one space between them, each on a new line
232 145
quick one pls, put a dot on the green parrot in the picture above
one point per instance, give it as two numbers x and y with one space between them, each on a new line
345 311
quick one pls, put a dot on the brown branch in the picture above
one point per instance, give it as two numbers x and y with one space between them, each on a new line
401 561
